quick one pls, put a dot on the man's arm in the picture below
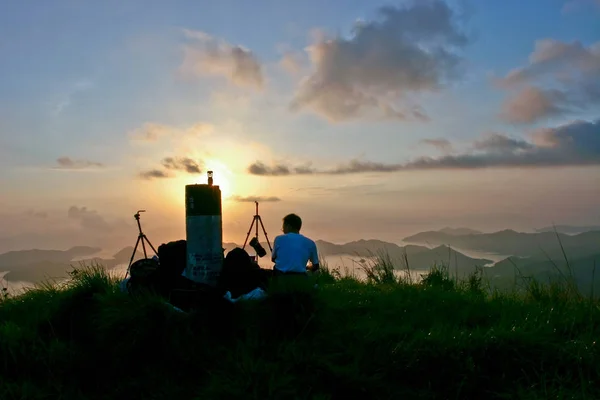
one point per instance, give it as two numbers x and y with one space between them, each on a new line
314 257
274 254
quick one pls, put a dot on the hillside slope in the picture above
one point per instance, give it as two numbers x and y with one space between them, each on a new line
343 340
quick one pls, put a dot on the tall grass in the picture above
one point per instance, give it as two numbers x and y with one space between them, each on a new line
3 289
386 337
380 269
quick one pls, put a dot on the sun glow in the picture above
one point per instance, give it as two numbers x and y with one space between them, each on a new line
223 177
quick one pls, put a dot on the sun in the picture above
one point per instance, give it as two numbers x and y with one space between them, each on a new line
224 184
222 177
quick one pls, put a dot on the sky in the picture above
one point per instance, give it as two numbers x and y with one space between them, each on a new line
369 119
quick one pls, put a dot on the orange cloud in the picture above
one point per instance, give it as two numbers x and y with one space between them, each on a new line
207 55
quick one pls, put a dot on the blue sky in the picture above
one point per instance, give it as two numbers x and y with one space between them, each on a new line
79 78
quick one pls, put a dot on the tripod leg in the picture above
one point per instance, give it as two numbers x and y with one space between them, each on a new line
265 232
248 234
150 244
143 246
132 255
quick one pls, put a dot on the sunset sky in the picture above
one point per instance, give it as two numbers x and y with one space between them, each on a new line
370 119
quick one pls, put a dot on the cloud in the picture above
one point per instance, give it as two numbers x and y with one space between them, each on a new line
358 166
498 143
71 164
259 168
559 59
569 73
207 55
410 50
89 219
354 166
153 174
441 144
292 62
252 199
532 104
573 144
185 164
152 132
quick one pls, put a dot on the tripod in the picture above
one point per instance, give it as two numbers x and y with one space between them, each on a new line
141 238
257 219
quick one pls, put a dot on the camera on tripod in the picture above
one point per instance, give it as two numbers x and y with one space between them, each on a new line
254 243
260 251
141 238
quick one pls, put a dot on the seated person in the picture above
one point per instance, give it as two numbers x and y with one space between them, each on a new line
240 274
292 250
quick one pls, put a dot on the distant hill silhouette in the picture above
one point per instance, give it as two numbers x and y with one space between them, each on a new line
581 270
510 242
24 257
459 231
37 265
569 229
419 257
362 248
124 255
530 252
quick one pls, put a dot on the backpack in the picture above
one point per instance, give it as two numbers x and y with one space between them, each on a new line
144 269
143 273
173 258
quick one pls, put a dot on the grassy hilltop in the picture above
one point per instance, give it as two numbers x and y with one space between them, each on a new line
381 339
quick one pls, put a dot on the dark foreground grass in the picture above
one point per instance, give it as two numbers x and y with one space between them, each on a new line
389 340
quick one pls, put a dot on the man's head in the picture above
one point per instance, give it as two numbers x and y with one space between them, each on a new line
292 223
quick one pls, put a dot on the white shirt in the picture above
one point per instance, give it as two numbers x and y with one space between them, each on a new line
292 251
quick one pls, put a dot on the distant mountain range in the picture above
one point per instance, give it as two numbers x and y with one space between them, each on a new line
569 229
459 231
37 265
529 254
417 257
510 242
534 255
24 257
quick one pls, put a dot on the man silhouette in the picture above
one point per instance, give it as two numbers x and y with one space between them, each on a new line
292 251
